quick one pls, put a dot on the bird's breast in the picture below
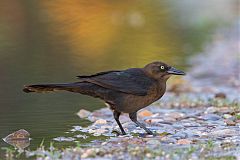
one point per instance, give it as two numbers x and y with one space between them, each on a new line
132 103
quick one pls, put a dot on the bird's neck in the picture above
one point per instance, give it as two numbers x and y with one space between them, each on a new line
161 87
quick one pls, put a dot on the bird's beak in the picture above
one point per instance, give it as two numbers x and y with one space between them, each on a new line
175 71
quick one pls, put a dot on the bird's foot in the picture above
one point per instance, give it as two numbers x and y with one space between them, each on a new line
118 133
149 132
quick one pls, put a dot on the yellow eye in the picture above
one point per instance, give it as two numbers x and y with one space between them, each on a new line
162 67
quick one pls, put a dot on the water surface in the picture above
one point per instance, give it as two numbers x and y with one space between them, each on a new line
54 41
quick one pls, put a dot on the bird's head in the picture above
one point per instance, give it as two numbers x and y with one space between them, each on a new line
160 70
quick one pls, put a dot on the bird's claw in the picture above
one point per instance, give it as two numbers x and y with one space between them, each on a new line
118 133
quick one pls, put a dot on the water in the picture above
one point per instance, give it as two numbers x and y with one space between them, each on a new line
49 41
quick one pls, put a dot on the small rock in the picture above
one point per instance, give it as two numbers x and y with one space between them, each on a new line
97 132
153 142
152 121
169 119
81 136
211 110
220 95
177 126
224 132
230 122
168 140
180 135
101 121
175 115
226 110
88 153
211 117
145 113
61 139
100 131
184 141
19 139
227 116
191 124
18 135
83 113
76 128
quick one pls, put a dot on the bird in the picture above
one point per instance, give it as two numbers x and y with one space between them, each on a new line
124 91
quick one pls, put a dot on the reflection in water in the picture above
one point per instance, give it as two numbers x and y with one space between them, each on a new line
99 31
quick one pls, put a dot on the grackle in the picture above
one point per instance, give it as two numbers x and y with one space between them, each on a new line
125 91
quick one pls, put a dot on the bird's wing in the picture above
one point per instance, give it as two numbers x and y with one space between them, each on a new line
97 74
131 81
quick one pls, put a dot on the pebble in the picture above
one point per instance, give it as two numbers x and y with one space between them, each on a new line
230 122
76 128
61 139
211 110
211 117
227 116
153 142
81 136
19 139
83 113
21 134
184 141
153 121
180 135
224 132
100 121
175 115
220 95
169 119
225 110
191 124
177 126
145 113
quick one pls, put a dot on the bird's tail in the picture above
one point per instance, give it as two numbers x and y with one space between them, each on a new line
41 88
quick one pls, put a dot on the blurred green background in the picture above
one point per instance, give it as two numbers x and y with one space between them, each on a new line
53 41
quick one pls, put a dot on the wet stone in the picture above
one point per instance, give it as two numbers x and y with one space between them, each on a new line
180 135
184 141
169 119
174 115
178 126
153 142
211 110
76 128
230 122
81 136
224 132
225 110
154 121
18 135
220 95
211 117
19 139
61 139
168 140
100 121
83 113
145 113
191 124
227 116
216 123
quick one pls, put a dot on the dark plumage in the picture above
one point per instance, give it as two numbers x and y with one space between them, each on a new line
125 91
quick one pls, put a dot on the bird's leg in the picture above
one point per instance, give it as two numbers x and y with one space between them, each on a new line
116 115
133 117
